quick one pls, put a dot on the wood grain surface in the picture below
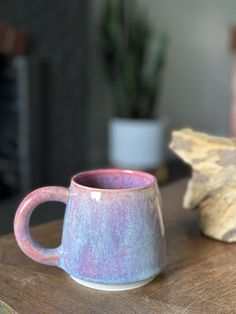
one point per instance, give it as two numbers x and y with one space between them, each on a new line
200 276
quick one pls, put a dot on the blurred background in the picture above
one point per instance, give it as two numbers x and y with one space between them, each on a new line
91 84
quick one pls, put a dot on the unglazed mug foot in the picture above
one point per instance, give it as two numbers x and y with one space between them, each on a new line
107 287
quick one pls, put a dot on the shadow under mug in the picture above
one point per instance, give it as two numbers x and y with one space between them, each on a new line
113 234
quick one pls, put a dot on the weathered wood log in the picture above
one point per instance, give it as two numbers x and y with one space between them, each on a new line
212 187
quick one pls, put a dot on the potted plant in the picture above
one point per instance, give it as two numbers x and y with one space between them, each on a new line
134 62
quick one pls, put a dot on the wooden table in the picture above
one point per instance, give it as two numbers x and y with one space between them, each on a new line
200 276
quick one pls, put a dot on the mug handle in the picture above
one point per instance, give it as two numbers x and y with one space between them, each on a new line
21 224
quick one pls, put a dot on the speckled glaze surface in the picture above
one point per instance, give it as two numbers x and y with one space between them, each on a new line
113 231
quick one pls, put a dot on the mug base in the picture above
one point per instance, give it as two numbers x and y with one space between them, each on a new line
109 287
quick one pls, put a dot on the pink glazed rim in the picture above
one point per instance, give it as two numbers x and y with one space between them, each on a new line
139 173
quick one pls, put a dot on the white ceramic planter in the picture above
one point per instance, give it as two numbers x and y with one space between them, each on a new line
137 144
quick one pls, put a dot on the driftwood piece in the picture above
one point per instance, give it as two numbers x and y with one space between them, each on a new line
212 187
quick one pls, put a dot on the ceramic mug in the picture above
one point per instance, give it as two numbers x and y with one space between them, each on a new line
113 234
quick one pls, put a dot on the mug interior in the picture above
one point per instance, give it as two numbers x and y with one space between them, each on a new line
114 179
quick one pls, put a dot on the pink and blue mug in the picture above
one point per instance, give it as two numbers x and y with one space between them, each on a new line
113 234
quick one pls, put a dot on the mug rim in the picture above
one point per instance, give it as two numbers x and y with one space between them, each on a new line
114 171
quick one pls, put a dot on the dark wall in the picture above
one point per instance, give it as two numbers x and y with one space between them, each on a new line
57 55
